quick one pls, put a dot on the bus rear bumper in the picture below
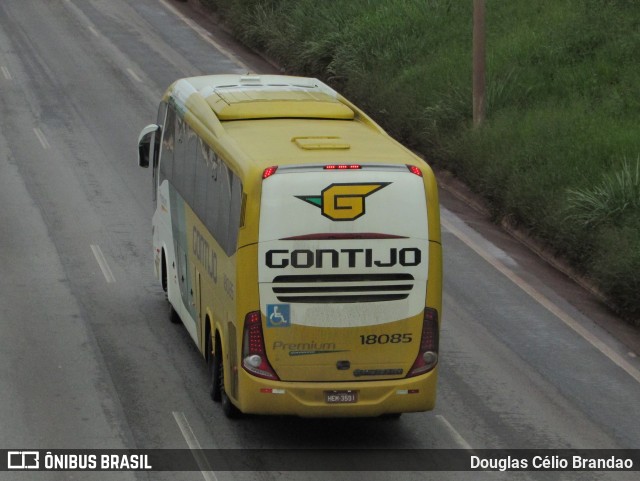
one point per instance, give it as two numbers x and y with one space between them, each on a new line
309 399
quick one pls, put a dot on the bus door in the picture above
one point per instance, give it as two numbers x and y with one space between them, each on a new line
186 292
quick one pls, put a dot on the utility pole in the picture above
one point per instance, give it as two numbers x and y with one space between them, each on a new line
479 41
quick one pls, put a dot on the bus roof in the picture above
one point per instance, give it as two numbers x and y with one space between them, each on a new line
276 119
237 97
291 141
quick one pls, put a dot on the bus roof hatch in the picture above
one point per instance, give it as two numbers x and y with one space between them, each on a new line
245 104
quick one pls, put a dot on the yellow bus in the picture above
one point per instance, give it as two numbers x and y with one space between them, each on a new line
300 246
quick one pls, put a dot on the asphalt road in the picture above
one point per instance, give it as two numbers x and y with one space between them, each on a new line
88 358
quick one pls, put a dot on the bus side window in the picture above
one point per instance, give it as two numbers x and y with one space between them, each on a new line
168 144
217 198
162 112
211 209
190 166
234 215
179 157
201 176
223 200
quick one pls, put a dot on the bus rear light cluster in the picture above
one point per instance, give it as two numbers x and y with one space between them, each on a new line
414 170
427 357
254 355
269 171
342 167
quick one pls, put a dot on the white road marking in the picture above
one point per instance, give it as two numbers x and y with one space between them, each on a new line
93 31
546 303
460 441
134 75
43 140
205 35
102 262
192 442
5 72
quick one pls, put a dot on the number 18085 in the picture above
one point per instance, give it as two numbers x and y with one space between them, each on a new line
396 338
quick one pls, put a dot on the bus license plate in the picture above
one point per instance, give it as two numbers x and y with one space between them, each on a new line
341 397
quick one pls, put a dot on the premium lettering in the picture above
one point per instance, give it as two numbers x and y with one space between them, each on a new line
303 346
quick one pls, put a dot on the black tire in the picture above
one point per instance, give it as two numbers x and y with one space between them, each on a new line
214 372
391 416
228 408
173 315
164 275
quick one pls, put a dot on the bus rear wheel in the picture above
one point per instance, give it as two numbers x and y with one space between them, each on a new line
228 408
392 416
173 315
214 371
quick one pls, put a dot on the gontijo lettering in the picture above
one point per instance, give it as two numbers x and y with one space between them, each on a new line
306 258
205 255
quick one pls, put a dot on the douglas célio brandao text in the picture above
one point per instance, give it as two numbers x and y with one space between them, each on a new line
550 463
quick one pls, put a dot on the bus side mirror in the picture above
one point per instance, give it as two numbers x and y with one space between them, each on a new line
145 142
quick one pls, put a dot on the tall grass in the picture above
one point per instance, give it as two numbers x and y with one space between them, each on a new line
607 202
563 102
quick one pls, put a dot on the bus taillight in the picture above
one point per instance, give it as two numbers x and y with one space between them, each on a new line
428 354
254 355
414 170
342 167
269 171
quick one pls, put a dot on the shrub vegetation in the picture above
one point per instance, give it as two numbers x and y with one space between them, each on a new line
559 152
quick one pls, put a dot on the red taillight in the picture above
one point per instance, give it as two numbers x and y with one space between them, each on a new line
269 171
427 357
342 167
414 170
254 355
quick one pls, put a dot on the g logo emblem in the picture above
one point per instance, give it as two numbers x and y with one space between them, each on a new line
343 201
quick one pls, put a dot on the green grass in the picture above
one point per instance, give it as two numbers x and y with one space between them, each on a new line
559 150
608 202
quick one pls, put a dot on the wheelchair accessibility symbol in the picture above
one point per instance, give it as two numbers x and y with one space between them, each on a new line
278 315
